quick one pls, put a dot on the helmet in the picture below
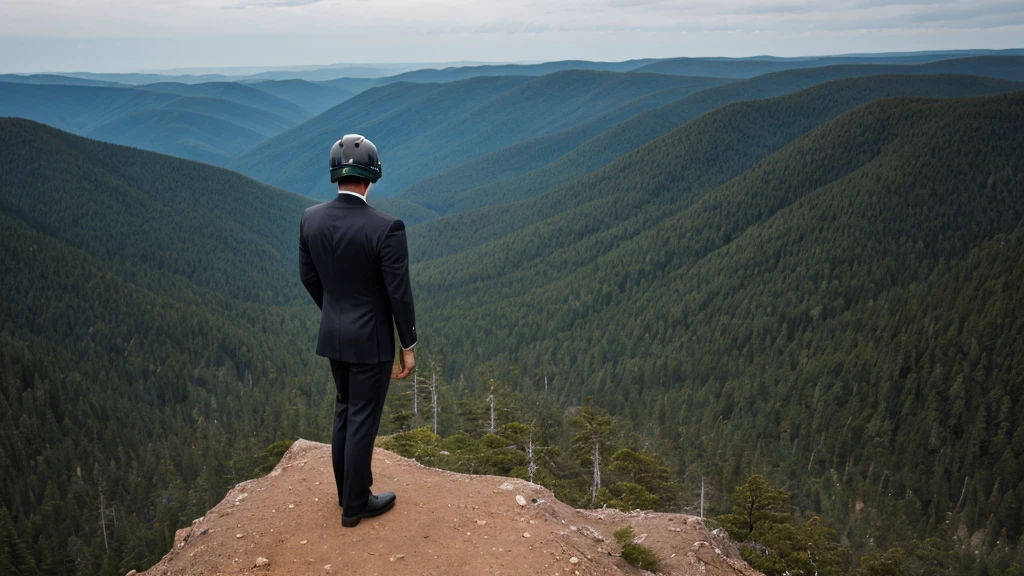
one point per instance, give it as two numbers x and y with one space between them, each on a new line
356 156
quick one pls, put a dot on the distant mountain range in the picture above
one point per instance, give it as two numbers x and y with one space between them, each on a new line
424 128
211 122
276 129
534 166
433 72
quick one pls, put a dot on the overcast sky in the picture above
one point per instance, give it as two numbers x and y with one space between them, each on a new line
132 35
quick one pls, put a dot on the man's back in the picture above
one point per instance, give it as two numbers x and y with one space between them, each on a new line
354 261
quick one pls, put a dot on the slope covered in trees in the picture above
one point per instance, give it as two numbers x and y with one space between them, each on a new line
840 316
141 368
821 287
707 151
432 127
214 228
542 172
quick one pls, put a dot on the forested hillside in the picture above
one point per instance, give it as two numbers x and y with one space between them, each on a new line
211 227
432 127
141 370
540 165
811 275
707 151
839 315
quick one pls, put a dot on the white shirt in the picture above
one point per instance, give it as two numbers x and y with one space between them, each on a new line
360 196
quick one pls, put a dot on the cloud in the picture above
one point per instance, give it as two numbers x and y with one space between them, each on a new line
511 30
274 4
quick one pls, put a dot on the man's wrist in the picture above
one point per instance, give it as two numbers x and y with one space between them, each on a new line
410 347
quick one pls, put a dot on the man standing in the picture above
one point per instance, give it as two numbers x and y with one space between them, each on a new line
354 261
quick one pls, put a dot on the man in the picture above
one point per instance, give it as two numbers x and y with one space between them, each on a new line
354 261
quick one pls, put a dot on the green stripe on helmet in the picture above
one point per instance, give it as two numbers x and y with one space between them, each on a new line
355 170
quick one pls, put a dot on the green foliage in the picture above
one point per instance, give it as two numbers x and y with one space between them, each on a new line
757 508
270 456
624 535
138 374
14 557
551 162
646 471
636 554
627 496
806 303
892 563
142 213
761 522
490 454
785 285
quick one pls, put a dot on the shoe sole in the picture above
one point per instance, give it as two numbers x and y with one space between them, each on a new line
352 522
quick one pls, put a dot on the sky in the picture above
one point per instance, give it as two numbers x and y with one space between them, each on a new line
147 35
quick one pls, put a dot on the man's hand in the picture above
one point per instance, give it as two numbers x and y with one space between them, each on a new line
407 361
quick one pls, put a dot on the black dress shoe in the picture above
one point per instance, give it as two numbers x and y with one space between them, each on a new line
375 506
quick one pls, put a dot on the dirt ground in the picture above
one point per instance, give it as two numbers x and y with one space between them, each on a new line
443 523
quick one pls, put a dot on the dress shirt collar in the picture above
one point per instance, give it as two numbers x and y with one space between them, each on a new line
360 196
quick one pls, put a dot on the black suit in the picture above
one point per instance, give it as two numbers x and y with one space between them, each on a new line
354 261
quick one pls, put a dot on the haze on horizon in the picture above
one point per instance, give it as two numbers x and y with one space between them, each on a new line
132 35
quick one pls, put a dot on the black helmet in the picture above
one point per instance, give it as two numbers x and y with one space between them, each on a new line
356 156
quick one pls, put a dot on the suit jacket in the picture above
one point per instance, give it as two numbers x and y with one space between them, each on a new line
354 261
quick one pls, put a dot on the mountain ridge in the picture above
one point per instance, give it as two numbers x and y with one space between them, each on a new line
632 133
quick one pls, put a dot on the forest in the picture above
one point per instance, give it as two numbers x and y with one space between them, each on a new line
799 290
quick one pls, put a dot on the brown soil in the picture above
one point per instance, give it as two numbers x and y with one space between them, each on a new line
443 523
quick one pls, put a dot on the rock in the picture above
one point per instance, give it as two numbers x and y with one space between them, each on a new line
526 534
574 560
132 573
181 535
261 562
397 557
520 500
507 486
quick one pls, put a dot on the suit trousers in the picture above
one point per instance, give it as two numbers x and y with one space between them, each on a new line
361 389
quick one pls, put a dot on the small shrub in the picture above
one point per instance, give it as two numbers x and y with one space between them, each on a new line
267 459
636 554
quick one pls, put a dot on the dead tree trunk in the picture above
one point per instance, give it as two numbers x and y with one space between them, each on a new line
433 396
491 400
529 452
103 521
